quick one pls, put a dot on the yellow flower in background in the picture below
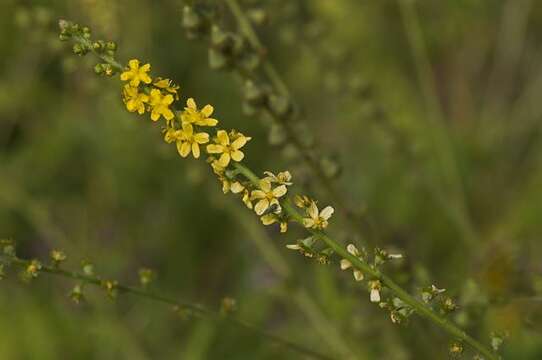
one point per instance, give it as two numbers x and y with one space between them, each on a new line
188 141
317 220
228 150
136 74
160 105
267 196
167 85
269 219
134 100
192 115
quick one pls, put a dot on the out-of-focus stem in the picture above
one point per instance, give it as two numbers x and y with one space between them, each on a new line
194 308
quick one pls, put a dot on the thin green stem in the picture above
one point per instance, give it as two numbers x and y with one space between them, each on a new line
194 308
419 307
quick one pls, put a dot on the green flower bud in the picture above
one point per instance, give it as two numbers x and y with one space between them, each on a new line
98 69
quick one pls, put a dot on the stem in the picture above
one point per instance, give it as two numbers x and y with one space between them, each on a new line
419 307
195 308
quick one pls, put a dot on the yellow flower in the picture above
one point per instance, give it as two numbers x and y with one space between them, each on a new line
317 220
160 105
282 178
267 196
136 74
134 100
167 85
188 141
192 115
269 219
228 150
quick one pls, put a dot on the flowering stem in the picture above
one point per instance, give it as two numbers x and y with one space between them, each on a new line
416 304
194 308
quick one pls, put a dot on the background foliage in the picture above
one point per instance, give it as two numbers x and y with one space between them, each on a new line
433 113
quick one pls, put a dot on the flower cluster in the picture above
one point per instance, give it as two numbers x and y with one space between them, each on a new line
188 129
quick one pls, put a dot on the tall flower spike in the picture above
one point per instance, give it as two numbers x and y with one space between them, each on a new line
192 115
317 220
136 74
267 196
228 150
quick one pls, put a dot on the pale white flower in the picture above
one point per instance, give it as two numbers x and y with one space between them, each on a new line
317 220
345 264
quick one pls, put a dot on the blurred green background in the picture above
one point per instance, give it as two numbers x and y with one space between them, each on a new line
432 108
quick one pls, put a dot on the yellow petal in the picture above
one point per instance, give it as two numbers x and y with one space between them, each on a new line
265 185
208 122
168 114
184 149
125 76
257 194
195 150
191 104
236 187
145 67
145 78
155 115
187 129
268 219
308 223
133 64
207 110
168 99
223 137
215 149
201 138
313 210
283 227
326 212
261 206
239 142
224 159
237 155
280 191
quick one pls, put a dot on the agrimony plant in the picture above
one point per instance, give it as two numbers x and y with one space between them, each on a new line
194 131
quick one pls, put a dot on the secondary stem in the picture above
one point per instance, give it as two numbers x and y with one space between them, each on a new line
196 309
